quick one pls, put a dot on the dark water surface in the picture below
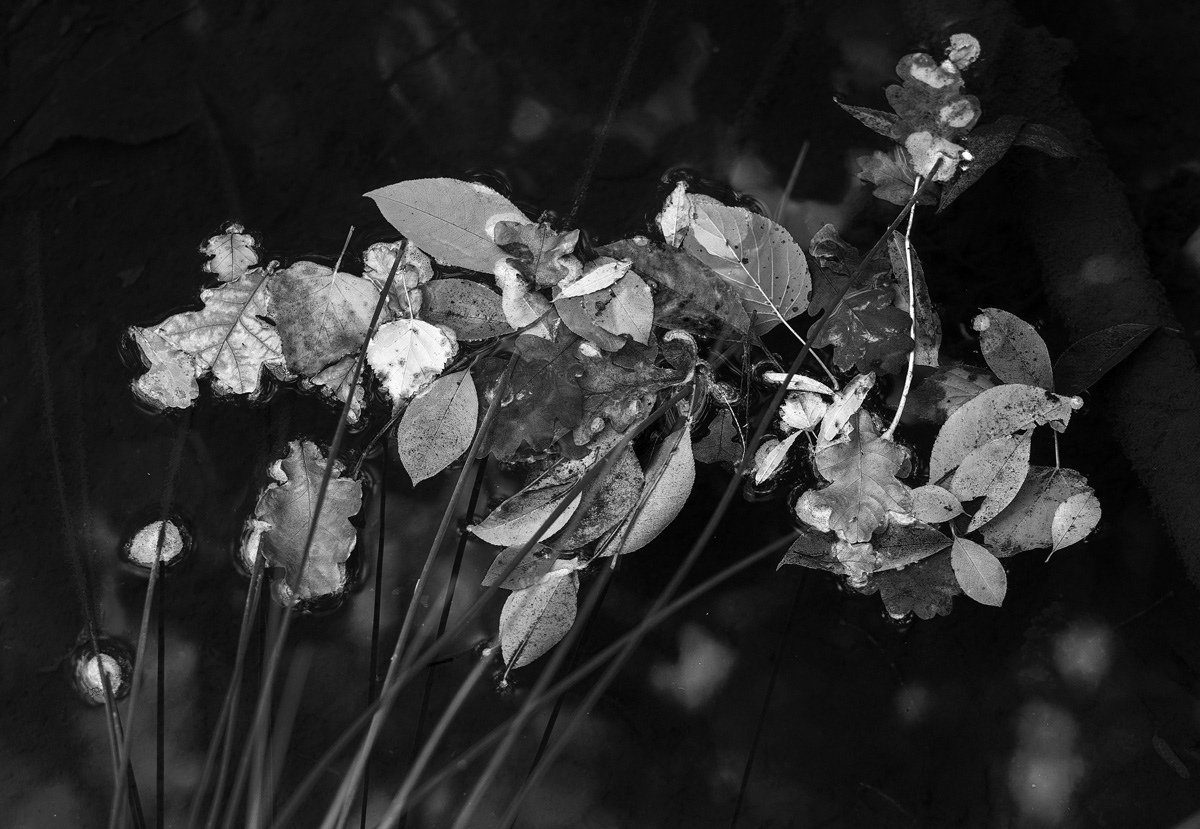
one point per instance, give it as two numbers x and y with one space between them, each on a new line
131 136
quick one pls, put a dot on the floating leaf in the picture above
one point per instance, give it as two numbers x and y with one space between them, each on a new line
994 413
599 274
620 389
543 256
676 216
926 588
438 426
518 519
929 326
893 177
450 220
902 545
810 549
471 310
1046 140
770 457
414 269
980 574
935 505
873 119
721 444
995 471
286 510
798 382
171 381
536 619
805 411
579 316
1074 520
407 355
321 316
228 338
543 401
628 308
687 294
987 143
846 404
942 393
232 253
524 308
537 563
669 480
1028 522
1014 351
613 495
333 382
1087 360
756 257
863 487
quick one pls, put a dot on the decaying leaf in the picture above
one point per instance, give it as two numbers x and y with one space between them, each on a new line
929 325
232 252
722 442
609 504
669 480
413 270
980 574
285 511
544 400
321 316
537 563
1014 351
934 505
941 394
995 472
450 220
471 310
1074 520
333 382
536 618
171 381
902 545
1028 522
438 426
926 589
846 404
805 411
1087 360
874 119
994 413
543 256
893 177
407 355
523 307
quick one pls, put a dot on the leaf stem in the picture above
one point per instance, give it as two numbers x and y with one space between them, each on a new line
912 316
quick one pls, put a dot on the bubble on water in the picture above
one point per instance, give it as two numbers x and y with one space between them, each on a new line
86 666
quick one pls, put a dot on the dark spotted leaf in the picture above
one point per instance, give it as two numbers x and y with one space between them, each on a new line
468 308
926 589
1087 360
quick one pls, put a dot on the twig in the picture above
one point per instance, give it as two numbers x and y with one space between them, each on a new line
912 316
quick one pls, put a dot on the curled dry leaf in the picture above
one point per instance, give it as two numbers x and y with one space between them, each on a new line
980 574
414 269
438 426
407 355
1014 351
536 618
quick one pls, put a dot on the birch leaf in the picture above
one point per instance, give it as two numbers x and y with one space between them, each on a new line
286 508
1074 520
472 311
438 426
980 574
996 472
535 619
599 274
756 257
1087 360
946 390
321 316
1028 522
935 505
232 252
407 355
450 220
995 413
229 337
669 480
537 563
1014 351
518 519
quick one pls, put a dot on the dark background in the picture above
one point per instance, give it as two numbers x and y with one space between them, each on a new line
130 134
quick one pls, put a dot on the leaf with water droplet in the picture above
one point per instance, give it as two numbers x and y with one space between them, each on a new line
1013 349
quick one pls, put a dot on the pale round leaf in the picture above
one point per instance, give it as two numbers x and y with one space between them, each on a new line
407 355
980 574
1074 520
933 504
438 426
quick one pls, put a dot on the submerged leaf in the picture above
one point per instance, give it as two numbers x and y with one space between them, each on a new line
722 443
536 618
541 255
1087 360
1014 351
450 220
321 316
902 545
893 177
980 574
333 382
543 401
407 355
926 588
929 326
286 510
942 393
438 426
610 503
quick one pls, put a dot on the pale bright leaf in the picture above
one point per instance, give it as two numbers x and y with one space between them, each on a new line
171 381
450 220
627 309
438 426
407 355
767 464
1074 520
1014 351
537 563
799 382
321 316
1028 522
994 413
597 275
232 253
286 510
669 480
996 472
756 257
535 619
845 404
676 216
229 337
803 410
518 519
980 574
414 269
933 505
523 306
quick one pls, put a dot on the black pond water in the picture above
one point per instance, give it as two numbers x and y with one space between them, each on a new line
130 137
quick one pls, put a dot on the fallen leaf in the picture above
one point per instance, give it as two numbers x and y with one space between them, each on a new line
286 508
1046 140
929 325
846 404
535 619
810 549
610 503
519 519
1014 351
543 401
988 143
1087 360
1074 520
902 545
980 574
407 355
414 269
321 316
926 588
721 443
669 479
171 381
628 308
935 505
438 426
598 274
805 411
333 382
942 393
994 413
874 119
535 564
450 220
893 178
232 252
676 216
542 256
471 310
1028 522
523 307
580 317
995 472
770 458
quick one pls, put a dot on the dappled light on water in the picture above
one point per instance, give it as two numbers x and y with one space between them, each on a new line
1045 768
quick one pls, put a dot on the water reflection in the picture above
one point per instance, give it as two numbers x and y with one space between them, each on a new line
1045 769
